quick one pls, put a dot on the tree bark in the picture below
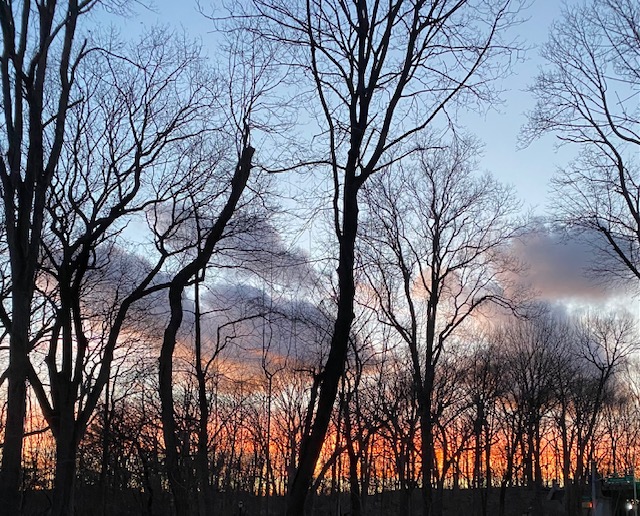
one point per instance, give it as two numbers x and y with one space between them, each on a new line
65 473
426 435
10 498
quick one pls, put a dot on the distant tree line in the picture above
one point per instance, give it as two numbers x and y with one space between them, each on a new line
526 403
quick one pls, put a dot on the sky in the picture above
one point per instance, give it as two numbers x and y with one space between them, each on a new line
529 169
556 266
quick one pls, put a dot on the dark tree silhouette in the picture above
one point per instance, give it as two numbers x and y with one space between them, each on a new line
587 96
435 240
41 51
381 72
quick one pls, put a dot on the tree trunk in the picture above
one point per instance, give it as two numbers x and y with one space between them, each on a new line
176 481
427 462
10 496
334 368
178 283
205 493
65 474
25 176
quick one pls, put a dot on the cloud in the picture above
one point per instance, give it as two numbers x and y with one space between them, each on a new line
566 266
252 328
255 247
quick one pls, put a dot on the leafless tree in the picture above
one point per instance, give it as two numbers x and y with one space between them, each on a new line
529 350
399 425
362 417
587 96
41 50
126 148
484 385
378 74
176 288
250 72
434 242
602 345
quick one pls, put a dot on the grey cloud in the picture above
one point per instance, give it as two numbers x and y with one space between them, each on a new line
258 324
565 265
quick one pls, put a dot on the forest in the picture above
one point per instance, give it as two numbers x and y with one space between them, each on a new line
271 277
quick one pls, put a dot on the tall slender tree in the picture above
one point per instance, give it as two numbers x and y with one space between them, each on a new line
434 247
379 72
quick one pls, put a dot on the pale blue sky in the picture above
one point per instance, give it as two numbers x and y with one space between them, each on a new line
529 170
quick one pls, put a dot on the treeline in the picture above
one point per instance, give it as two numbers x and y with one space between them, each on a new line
166 346
527 403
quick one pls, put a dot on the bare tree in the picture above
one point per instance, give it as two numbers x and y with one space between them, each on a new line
41 50
127 147
176 288
359 391
252 80
434 246
588 97
529 349
484 384
558 374
399 425
603 343
379 73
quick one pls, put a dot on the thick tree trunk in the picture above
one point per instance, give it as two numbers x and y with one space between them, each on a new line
14 430
334 367
176 481
426 434
26 175
65 474
10 496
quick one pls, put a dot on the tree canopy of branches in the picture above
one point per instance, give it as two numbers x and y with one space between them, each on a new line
165 341
94 138
433 252
126 151
378 73
40 54
588 97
